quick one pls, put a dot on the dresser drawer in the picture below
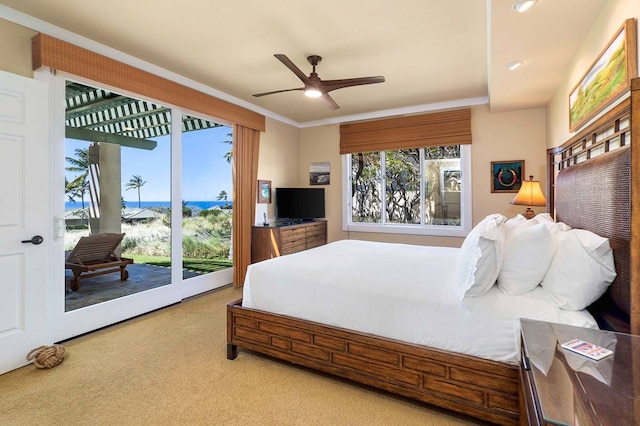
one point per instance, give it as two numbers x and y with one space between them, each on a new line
293 246
317 232
294 234
313 244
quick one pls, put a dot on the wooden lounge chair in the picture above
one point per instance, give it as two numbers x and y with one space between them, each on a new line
95 255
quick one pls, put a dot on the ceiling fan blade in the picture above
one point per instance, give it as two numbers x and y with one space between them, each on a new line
328 100
330 85
287 63
257 95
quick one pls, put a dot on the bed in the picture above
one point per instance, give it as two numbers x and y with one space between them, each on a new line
590 191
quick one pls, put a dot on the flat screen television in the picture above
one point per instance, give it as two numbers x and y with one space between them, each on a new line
299 204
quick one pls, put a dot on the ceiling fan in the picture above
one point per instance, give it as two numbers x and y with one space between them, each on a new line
314 87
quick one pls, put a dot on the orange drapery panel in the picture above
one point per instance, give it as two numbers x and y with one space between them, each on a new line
246 147
415 131
50 52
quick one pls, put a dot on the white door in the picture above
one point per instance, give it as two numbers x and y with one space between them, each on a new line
23 177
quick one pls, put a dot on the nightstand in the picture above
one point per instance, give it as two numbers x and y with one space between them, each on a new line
559 387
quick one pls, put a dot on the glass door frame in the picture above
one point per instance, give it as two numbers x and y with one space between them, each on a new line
73 323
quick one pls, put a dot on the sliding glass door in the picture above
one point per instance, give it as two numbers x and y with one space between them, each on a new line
206 205
146 216
117 192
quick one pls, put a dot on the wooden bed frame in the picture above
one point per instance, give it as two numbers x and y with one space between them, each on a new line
481 388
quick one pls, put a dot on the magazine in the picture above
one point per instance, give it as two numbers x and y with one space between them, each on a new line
587 349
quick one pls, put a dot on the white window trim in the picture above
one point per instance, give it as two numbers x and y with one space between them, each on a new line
431 230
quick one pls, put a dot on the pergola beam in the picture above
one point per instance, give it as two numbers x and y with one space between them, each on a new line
96 136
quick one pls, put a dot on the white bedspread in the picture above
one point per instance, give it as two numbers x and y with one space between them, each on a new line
398 291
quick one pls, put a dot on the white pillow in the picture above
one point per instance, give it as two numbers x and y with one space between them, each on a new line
529 249
513 223
581 270
546 217
553 226
480 257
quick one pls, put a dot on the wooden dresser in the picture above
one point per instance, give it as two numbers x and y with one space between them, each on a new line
274 241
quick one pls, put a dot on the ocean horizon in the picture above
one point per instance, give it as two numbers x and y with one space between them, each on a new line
74 205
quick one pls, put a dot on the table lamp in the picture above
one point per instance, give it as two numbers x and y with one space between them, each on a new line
530 194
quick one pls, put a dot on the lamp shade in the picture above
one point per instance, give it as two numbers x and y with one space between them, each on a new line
530 194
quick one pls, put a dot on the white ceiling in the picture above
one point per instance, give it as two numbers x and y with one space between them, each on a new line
439 52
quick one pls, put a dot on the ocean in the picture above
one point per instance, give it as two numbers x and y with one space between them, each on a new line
69 205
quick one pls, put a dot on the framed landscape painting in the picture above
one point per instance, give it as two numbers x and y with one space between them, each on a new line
506 176
320 173
607 79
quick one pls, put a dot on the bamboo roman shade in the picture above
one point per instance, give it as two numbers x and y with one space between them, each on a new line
50 52
416 131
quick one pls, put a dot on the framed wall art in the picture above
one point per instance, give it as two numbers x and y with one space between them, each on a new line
607 79
264 191
320 173
506 176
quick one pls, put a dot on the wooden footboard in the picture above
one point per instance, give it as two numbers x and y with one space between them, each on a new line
484 389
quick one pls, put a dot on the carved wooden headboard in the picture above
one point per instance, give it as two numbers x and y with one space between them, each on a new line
591 187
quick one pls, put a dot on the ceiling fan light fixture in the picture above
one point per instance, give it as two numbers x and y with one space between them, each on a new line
314 87
512 66
522 5
312 92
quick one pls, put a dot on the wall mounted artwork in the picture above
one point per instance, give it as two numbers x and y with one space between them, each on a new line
506 176
264 191
320 173
607 79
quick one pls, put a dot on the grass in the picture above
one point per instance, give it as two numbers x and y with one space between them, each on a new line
202 266
205 244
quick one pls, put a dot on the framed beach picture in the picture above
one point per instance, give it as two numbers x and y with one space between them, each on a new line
320 173
264 191
607 78
506 176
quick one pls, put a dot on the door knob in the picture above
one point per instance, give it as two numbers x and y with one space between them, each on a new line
36 239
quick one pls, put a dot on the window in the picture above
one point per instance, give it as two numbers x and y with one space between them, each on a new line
423 191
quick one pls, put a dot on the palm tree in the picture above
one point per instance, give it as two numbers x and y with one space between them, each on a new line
79 163
135 182
80 184
228 155
77 188
223 195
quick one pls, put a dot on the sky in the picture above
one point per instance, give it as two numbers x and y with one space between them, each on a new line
205 171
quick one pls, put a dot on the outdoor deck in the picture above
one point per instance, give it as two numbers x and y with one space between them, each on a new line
100 289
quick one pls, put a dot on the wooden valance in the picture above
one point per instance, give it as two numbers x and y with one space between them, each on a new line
416 131
50 52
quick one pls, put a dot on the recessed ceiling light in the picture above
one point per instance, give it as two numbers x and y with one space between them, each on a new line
522 5
514 65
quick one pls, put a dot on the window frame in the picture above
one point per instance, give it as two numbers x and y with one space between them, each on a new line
411 229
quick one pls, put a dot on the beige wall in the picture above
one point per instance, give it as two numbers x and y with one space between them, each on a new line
612 17
15 48
514 135
279 153
517 135
318 145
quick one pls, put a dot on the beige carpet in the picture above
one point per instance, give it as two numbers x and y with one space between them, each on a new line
169 367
